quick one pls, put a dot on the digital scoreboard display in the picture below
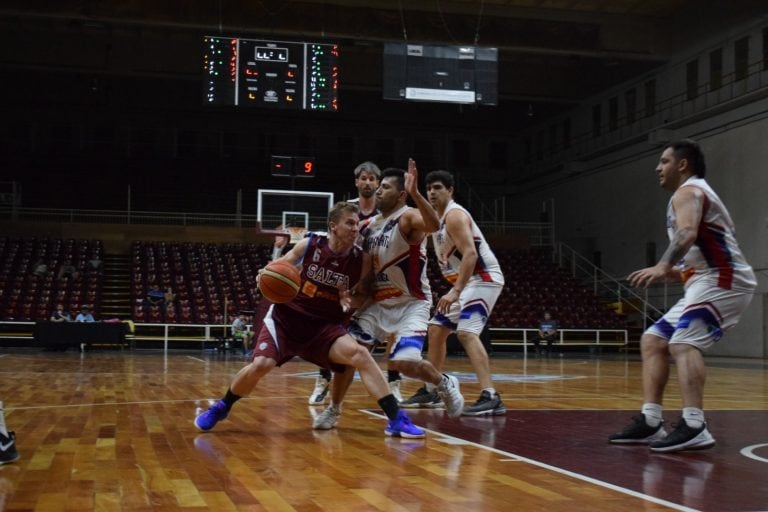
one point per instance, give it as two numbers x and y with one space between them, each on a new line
270 74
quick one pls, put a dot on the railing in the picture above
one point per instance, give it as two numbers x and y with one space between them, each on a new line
8 330
650 305
680 107
508 336
126 217
537 233
168 333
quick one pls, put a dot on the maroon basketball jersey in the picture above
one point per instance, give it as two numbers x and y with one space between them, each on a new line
323 273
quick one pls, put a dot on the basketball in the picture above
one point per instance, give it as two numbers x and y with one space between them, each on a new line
280 282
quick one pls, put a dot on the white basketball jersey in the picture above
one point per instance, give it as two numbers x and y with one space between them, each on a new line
715 255
487 268
400 268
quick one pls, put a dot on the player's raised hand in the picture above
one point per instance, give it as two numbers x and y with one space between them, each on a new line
412 178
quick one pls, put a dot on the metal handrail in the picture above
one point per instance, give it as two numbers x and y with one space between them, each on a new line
604 282
562 337
539 233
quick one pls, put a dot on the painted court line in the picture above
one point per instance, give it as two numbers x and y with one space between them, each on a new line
556 469
198 401
747 452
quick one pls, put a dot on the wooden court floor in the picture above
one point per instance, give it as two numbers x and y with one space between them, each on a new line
110 430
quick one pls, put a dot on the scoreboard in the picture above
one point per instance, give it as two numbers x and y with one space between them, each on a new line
270 74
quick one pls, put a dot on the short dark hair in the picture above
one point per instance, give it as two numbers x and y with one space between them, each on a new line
398 174
690 150
443 177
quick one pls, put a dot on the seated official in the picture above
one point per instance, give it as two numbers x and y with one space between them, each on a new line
155 298
60 315
85 315
547 332
240 332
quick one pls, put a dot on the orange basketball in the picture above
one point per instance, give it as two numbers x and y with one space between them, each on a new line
280 282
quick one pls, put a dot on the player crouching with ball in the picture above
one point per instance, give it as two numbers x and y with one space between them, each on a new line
311 325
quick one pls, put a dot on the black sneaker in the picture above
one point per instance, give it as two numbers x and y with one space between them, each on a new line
639 432
685 438
8 451
486 405
423 398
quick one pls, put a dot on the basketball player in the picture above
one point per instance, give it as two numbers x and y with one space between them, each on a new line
467 262
719 282
367 176
396 240
312 326
8 451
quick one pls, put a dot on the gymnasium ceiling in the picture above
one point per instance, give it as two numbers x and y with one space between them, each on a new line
552 53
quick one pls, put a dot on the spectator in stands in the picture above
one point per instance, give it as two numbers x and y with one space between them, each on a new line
170 313
68 270
85 315
94 263
240 332
547 332
155 298
60 315
40 268
169 296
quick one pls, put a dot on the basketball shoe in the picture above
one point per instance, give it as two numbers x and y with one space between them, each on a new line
327 419
322 386
423 398
486 405
448 389
684 438
215 413
402 427
8 451
639 432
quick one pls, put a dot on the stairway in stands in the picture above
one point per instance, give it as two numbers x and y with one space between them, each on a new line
116 291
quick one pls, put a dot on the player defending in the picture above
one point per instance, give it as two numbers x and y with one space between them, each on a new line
312 325
367 175
703 252
396 240
467 262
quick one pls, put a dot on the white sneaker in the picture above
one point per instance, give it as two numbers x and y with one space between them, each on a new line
448 389
394 388
322 385
327 419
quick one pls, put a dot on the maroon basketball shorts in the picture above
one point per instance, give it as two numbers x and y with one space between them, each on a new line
285 334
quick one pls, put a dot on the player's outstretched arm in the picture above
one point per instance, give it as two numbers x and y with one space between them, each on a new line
427 220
